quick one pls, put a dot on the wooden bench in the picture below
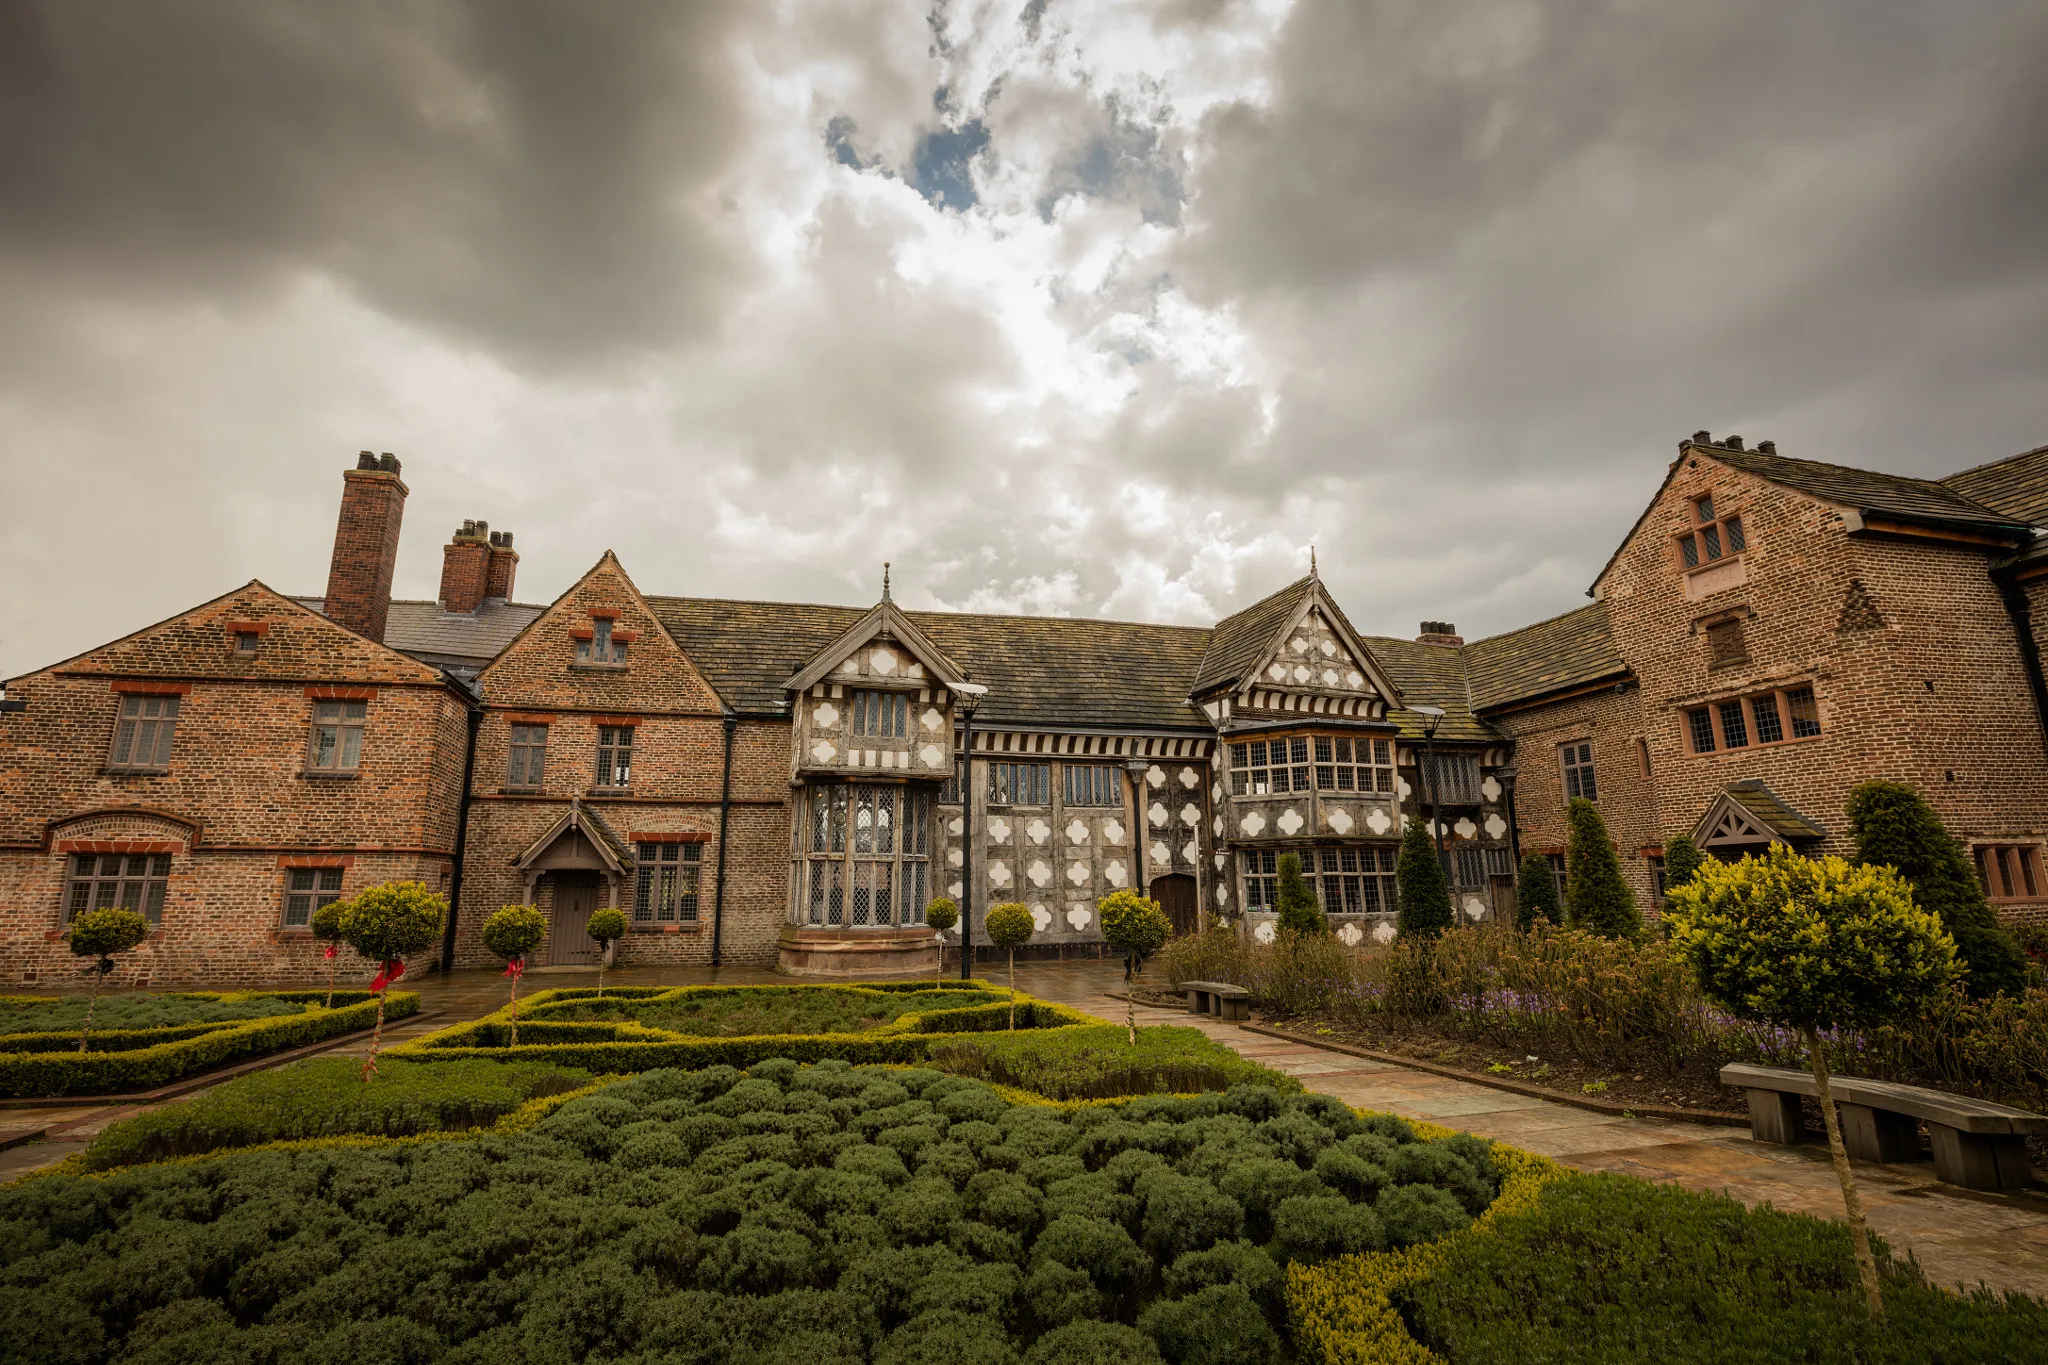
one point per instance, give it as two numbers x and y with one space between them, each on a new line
1977 1144
1219 998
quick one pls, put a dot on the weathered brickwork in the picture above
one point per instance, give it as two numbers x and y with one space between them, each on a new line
235 797
1612 721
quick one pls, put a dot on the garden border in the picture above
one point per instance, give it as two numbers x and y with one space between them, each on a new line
28 1077
1614 1109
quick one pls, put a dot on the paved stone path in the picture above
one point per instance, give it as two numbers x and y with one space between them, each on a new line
1959 1236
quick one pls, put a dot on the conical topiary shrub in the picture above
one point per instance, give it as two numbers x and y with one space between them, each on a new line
1895 827
1295 900
1681 862
1535 893
1419 879
1595 896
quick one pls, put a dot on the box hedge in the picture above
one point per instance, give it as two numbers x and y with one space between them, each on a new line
144 1063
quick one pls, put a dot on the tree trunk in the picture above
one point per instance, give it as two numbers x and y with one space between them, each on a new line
1859 1235
1130 1002
515 1011
376 1036
1013 990
91 1000
333 965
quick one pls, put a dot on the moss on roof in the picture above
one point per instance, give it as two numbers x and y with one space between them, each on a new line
1867 490
1565 651
2016 486
1238 640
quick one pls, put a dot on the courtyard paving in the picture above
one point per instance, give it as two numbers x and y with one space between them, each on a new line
1960 1237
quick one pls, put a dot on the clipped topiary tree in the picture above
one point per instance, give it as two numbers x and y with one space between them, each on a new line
941 915
1425 899
1535 892
1895 827
607 926
387 923
1595 896
1681 861
512 933
1296 900
1812 944
326 927
1135 927
101 934
1010 927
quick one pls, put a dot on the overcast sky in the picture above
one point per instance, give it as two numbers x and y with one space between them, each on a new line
1067 306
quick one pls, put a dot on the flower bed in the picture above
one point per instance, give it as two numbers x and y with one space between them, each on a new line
627 1045
129 1060
827 1213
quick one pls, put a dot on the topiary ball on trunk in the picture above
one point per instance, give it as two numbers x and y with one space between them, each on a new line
942 914
515 931
393 920
102 933
607 926
1009 925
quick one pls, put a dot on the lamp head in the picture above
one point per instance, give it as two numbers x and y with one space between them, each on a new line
969 695
1432 716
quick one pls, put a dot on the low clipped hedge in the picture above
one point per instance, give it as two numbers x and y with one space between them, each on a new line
626 1046
1100 1062
140 1012
829 1214
29 1069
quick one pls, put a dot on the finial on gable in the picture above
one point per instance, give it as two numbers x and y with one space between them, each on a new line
1312 561
885 580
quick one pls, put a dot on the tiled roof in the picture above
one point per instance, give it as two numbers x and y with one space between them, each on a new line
1562 652
1759 800
1867 490
1428 675
2016 486
1040 670
1238 640
423 630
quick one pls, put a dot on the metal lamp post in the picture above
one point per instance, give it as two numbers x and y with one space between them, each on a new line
1507 776
1137 768
967 696
1432 716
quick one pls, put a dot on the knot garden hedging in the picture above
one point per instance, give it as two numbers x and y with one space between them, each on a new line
831 1212
42 1063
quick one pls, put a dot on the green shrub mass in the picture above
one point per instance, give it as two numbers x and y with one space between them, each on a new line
1596 896
64 1015
325 1097
1097 1063
825 1214
1608 1270
747 1014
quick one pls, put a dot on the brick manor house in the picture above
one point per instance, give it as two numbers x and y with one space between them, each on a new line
772 783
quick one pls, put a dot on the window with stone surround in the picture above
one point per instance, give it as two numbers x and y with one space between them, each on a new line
528 758
665 888
878 715
1577 758
1715 535
131 881
142 733
2010 872
601 644
337 742
306 889
867 857
614 757
1779 716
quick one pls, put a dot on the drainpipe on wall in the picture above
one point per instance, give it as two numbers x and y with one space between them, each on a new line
474 703
2015 599
732 723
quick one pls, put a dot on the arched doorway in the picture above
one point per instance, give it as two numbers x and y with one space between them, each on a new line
1176 896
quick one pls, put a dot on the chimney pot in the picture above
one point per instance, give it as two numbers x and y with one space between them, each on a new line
1733 443
388 463
365 546
1767 447
1439 633
465 569
504 563
1703 438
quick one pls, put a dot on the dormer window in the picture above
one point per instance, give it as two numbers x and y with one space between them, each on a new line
1715 538
601 644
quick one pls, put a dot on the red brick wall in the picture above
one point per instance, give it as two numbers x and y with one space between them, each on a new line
465 569
1627 797
236 796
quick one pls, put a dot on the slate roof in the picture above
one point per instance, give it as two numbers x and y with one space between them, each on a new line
1565 651
1238 640
1867 490
1428 675
2016 486
424 631
1767 806
1040 670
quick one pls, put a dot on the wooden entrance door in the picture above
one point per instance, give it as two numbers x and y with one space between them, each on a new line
575 903
1176 896
1502 894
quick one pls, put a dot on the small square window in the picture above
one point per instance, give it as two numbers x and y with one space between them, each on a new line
306 890
1736 541
1704 507
1689 548
246 642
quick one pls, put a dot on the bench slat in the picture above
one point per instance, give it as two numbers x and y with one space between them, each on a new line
1215 988
1964 1112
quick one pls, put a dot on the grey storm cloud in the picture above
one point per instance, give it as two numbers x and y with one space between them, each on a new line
1059 306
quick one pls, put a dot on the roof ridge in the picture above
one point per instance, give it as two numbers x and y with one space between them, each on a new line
1991 464
1594 605
926 611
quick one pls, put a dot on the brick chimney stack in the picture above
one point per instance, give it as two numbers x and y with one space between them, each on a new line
366 545
1439 633
466 567
504 564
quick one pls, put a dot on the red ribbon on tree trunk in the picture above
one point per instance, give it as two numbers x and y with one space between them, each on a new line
387 973
515 967
330 951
